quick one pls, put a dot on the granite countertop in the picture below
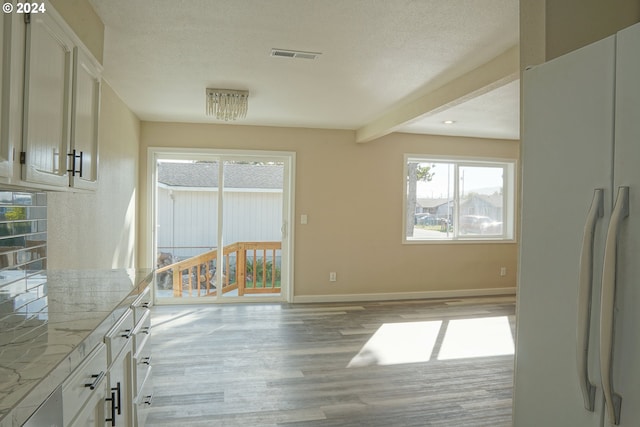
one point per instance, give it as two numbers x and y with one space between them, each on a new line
49 323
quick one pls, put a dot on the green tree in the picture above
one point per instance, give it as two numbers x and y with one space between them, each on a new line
415 173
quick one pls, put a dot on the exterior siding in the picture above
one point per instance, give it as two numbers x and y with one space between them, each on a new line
188 219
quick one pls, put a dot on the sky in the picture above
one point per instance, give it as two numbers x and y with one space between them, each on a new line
479 179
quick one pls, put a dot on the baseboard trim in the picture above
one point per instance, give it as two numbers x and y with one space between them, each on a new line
462 293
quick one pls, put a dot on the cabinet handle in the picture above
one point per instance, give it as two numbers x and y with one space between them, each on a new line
127 333
146 360
585 286
118 391
146 330
112 399
96 381
148 399
607 303
145 305
75 156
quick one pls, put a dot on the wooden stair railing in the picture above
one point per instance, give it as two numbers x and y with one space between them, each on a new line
259 268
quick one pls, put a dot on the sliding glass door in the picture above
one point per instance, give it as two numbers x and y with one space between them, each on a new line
222 226
252 226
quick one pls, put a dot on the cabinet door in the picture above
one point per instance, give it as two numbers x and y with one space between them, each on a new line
84 126
5 92
625 354
119 408
47 101
92 414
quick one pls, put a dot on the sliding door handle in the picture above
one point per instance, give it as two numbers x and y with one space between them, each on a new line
607 304
585 286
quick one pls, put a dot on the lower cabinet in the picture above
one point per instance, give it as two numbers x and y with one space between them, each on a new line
84 391
119 341
93 412
119 394
143 401
142 379
113 385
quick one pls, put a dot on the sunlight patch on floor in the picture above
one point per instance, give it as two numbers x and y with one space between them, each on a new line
480 337
412 342
395 343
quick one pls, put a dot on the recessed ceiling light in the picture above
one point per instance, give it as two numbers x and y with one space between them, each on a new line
449 122
298 54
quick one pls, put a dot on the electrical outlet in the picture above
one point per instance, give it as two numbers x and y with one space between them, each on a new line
503 271
332 276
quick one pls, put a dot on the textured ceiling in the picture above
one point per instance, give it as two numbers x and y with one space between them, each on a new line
377 56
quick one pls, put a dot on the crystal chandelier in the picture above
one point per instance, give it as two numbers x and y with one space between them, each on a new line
227 104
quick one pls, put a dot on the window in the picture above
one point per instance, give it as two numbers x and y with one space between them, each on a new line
458 199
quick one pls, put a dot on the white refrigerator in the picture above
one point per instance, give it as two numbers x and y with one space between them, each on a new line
578 304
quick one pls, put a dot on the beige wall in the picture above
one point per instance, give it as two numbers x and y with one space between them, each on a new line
352 194
571 24
552 28
85 22
98 230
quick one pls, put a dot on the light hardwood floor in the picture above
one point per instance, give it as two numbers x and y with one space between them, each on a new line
318 365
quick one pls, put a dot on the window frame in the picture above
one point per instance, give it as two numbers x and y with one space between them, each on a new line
509 188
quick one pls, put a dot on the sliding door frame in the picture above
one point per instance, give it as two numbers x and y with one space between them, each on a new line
222 155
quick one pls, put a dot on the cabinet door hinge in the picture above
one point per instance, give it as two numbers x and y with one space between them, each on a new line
23 157
27 18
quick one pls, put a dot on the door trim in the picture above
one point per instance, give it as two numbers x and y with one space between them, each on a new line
289 159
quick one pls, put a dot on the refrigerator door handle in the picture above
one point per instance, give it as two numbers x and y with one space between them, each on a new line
620 212
585 286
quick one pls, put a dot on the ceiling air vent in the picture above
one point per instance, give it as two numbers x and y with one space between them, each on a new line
298 54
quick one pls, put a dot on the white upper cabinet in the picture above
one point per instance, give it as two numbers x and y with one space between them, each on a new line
47 102
84 122
61 106
6 48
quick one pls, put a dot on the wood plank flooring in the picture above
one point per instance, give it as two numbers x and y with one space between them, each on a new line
315 365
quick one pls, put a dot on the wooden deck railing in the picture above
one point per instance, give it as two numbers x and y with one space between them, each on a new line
255 271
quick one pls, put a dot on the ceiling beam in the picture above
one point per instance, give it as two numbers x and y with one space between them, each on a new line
499 71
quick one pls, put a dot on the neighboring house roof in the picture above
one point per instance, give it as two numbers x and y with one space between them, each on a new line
236 175
494 200
432 203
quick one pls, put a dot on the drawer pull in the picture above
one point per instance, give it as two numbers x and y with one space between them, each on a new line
146 330
97 378
148 399
146 361
127 333
145 305
112 399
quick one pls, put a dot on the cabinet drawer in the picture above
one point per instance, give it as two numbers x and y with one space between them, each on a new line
144 401
141 305
82 382
141 333
141 367
119 336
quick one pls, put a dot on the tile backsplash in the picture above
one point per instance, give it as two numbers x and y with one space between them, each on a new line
23 238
